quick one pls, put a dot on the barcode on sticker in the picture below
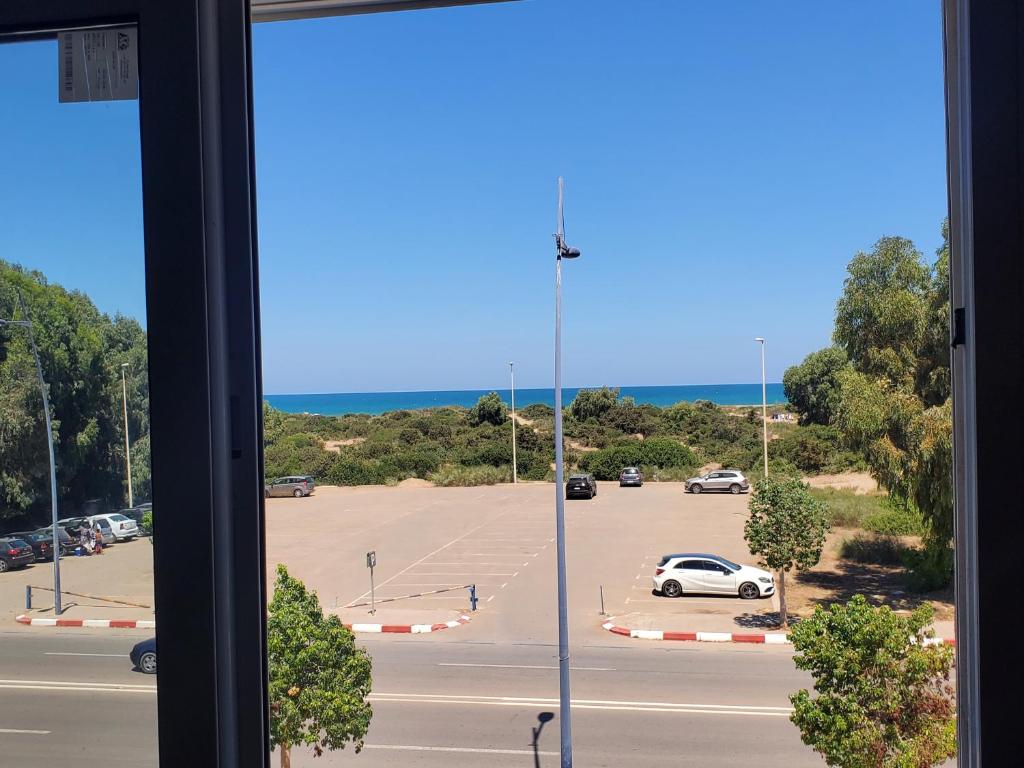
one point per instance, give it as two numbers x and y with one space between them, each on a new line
67 50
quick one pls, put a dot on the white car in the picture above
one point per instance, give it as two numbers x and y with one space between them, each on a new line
695 573
122 526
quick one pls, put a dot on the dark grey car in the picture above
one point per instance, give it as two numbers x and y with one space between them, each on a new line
293 485
631 476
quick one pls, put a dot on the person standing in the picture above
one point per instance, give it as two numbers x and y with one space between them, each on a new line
98 536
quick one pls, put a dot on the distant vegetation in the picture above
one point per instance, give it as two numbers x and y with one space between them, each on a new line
604 433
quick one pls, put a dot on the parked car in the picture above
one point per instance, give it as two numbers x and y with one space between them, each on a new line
122 526
631 476
42 545
71 525
725 480
697 573
136 514
581 486
294 485
67 541
143 656
15 553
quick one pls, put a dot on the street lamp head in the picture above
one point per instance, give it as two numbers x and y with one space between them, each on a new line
759 339
565 252
124 365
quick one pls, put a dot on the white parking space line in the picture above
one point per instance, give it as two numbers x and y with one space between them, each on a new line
466 573
70 653
28 732
470 750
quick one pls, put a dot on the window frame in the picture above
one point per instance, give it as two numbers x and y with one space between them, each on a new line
195 115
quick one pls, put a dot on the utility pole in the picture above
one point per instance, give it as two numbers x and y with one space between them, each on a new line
562 251
512 371
27 324
127 449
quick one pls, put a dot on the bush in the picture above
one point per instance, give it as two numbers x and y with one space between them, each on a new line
489 409
894 519
881 550
452 475
607 463
929 568
539 411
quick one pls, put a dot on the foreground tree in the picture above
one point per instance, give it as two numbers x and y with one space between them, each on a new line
786 529
319 680
883 697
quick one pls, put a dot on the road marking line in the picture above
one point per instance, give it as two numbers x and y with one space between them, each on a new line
523 666
490 598
70 653
631 706
473 750
503 585
25 731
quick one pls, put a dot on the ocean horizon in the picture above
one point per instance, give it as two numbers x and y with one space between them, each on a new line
375 403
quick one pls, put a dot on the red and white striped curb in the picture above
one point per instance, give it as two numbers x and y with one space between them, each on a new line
415 629
768 638
95 623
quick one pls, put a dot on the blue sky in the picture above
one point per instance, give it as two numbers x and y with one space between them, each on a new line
723 163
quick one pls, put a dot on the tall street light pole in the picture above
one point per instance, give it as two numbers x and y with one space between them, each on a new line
764 407
562 251
127 449
27 324
512 372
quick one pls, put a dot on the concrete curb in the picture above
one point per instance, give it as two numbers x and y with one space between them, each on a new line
91 623
415 629
769 638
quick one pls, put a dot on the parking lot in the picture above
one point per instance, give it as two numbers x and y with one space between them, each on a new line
501 538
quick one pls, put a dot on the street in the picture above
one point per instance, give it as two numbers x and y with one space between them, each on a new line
70 698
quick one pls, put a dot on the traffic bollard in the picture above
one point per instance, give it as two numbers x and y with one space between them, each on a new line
28 597
472 596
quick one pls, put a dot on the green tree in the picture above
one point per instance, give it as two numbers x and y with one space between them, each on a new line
319 679
786 528
892 321
883 696
812 387
593 404
489 409
882 313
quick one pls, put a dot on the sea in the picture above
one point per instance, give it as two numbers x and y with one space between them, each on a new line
339 403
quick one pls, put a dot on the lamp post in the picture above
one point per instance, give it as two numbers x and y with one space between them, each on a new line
27 324
562 251
127 449
512 373
764 407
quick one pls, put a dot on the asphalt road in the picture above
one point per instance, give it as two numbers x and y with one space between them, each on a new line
69 698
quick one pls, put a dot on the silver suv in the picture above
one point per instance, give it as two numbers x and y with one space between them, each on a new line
731 480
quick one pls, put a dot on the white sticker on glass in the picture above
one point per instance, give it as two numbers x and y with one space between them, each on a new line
98 65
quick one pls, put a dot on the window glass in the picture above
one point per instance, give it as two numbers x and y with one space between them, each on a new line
73 312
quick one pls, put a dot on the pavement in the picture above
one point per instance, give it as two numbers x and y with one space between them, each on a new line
447 702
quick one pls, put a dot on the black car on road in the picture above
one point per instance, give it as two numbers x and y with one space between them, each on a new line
581 487
143 656
15 553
